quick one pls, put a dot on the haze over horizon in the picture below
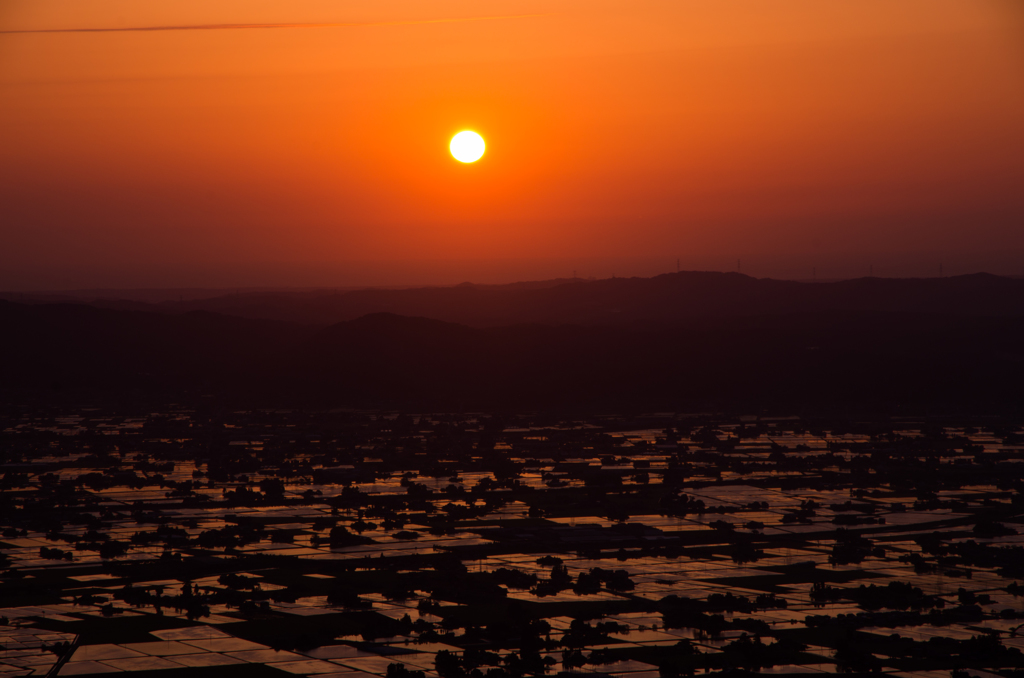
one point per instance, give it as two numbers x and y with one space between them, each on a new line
236 144
411 274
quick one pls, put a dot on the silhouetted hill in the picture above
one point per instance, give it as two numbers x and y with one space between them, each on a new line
866 360
85 347
666 299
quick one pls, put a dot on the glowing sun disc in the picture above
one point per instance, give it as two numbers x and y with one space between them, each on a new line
467 146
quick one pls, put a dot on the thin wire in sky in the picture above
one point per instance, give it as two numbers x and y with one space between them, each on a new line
235 27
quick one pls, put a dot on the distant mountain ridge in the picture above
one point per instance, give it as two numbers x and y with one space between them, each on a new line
782 362
674 299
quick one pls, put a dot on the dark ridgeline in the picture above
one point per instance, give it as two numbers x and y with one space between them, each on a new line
670 298
678 340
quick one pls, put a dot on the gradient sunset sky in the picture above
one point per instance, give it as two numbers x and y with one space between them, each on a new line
305 143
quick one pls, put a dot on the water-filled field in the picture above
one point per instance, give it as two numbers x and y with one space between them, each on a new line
214 543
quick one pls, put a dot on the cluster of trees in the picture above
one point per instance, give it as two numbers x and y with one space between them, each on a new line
851 547
55 554
895 595
586 583
193 602
1007 560
680 612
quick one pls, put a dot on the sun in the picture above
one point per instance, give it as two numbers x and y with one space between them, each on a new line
467 146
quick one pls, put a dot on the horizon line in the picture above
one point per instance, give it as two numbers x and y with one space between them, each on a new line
395 286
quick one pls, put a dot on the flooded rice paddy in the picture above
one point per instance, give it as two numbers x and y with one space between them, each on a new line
196 543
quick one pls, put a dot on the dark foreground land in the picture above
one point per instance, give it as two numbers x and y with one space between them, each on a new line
195 542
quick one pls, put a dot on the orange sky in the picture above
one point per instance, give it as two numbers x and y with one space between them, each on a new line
621 135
